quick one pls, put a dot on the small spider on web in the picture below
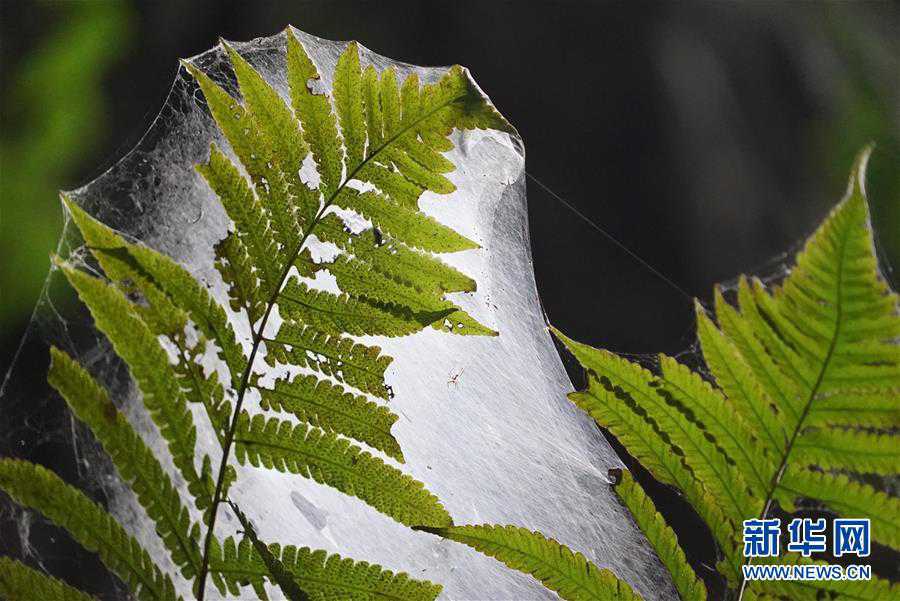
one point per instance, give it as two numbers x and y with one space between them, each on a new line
454 378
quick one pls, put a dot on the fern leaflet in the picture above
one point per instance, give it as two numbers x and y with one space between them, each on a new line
567 573
660 536
94 529
19 582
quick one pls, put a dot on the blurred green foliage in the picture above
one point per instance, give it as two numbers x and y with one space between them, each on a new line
53 122
867 109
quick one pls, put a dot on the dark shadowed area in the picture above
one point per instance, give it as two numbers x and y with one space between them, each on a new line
708 138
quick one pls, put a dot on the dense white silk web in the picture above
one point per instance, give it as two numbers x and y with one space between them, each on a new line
484 422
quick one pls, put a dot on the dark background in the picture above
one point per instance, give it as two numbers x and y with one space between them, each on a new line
706 137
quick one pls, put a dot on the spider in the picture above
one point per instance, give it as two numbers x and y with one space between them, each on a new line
454 379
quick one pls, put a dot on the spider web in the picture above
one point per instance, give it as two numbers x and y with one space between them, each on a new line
484 422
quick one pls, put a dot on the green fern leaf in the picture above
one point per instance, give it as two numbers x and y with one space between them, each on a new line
356 364
561 570
162 321
94 529
807 395
404 224
252 225
314 111
395 260
149 365
846 497
234 262
659 535
320 575
361 280
612 407
19 582
339 314
322 404
133 460
848 450
348 103
152 271
328 459
749 398
274 566
719 419
646 395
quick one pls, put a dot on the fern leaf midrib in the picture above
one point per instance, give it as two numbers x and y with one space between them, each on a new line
312 307
312 401
814 391
257 335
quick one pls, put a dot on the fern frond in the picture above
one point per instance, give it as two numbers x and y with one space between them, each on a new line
719 420
348 106
280 144
19 582
39 489
395 260
391 182
362 280
134 461
372 106
328 459
808 399
378 134
660 536
741 333
747 396
324 405
647 395
247 143
567 573
875 408
610 406
320 575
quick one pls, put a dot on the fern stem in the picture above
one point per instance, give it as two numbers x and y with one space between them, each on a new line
782 467
258 338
